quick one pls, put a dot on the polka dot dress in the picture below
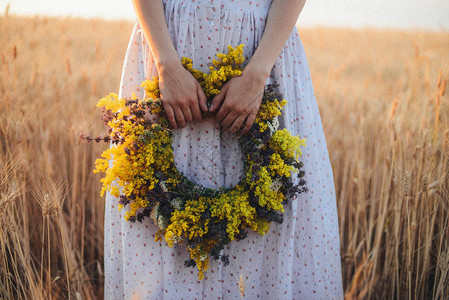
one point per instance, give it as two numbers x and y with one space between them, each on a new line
298 259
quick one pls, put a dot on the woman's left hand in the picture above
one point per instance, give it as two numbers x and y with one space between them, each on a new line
240 99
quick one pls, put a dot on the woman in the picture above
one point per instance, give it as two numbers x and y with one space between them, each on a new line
297 259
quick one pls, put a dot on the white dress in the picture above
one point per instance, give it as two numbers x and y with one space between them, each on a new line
298 259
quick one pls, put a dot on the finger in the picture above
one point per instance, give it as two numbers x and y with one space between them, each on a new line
216 101
237 124
201 100
196 113
196 110
230 118
179 117
187 114
222 114
170 115
249 123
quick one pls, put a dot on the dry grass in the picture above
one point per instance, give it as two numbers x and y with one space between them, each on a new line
381 95
52 71
382 100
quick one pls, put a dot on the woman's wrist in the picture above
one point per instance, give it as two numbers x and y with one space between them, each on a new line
168 64
256 71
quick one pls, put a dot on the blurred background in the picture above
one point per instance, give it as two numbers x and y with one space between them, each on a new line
414 14
379 70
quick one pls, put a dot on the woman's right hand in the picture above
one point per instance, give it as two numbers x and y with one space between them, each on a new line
181 95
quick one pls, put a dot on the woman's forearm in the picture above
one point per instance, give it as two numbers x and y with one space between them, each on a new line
281 20
151 17
181 94
240 98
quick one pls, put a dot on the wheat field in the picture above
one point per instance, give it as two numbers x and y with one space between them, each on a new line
385 112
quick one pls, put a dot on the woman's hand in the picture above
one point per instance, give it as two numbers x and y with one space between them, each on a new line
242 95
181 95
240 99
180 91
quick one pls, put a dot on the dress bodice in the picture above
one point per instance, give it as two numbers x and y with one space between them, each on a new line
238 5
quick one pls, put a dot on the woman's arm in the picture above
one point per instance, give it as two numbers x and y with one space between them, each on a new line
181 93
242 95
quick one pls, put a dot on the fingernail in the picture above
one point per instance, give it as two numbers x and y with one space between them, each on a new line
211 107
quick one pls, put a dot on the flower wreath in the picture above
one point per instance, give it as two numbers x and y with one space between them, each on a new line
205 220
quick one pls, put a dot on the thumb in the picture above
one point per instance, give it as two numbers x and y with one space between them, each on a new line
216 101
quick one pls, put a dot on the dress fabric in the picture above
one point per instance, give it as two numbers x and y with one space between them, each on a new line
298 259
